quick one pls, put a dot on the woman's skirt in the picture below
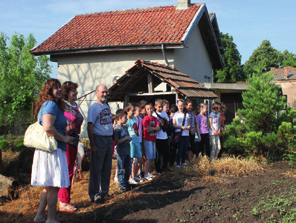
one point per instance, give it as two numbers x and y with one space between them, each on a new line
50 169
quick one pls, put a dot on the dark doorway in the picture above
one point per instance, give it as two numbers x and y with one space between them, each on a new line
233 102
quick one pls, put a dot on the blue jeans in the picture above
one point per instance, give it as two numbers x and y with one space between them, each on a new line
124 167
196 146
182 149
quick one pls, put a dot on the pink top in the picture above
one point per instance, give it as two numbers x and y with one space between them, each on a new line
74 119
140 127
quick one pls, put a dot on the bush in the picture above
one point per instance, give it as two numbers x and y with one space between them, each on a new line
19 145
4 144
260 129
12 143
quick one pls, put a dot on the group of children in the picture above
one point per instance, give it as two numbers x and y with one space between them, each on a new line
163 135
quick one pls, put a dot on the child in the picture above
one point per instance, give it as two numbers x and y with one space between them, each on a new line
140 129
190 149
142 104
214 118
166 106
161 137
133 130
123 150
179 118
173 148
150 127
202 130
77 167
114 121
196 139
222 127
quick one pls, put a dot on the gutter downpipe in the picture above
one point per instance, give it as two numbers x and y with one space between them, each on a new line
164 54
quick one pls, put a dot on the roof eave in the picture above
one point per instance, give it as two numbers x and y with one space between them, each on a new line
150 46
193 23
218 63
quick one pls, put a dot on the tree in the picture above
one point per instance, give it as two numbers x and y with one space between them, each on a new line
21 77
232 71
289 59
264 57
258 130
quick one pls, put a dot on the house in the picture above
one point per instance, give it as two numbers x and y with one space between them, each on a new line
286 78
100 47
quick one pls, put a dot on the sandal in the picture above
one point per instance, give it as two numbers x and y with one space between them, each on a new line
39 220
66 207
74 205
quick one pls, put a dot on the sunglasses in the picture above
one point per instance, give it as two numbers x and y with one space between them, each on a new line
216 108
68 82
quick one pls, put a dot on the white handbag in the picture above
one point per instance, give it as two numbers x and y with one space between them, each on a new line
36 137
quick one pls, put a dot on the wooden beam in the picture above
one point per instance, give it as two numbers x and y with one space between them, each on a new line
126 100
150 94
150 83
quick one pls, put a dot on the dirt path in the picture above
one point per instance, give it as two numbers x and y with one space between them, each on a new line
210 199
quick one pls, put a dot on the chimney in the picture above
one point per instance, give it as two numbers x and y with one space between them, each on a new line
286 72
183 4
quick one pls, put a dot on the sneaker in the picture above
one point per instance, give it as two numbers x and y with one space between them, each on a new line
148 178
138 179
124 189
98 198
133 181
151 175
177 166
184 164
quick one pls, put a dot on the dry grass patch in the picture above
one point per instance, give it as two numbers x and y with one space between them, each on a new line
7 156
238 166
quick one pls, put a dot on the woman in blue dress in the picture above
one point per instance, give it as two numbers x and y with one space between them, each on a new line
50 170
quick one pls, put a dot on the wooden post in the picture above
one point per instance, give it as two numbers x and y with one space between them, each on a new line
150 83
126 100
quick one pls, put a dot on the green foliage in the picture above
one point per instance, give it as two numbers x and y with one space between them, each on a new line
10 142
260 130
265 57
281 203
289 59
21 77
4 144
232 71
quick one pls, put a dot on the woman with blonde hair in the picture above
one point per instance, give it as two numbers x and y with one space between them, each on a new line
50 170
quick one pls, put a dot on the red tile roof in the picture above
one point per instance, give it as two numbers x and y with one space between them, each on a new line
286 73
121 28
135 80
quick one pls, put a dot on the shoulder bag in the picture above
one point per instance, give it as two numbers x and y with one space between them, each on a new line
165 125
36 137
177 135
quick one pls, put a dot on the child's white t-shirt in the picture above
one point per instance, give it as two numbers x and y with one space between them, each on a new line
179 121
215 122
161 134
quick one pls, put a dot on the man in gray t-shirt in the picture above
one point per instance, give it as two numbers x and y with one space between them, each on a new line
100 133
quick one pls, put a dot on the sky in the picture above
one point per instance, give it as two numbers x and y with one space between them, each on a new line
248 21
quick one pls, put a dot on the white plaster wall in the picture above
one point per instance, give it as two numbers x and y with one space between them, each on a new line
194 59
89 70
